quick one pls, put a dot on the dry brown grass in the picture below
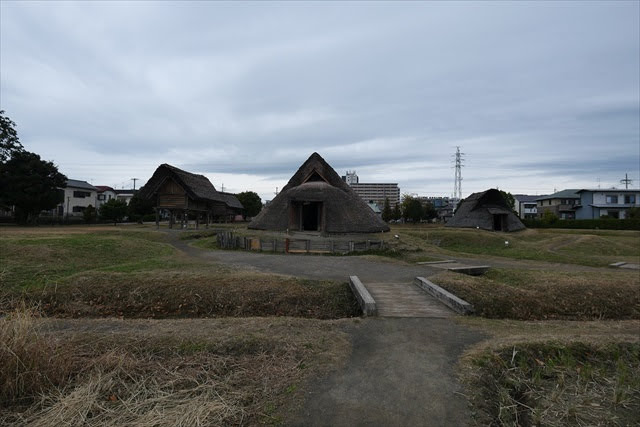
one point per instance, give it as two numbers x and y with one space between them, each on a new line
180 372
29 362
556 384
189 293
542 295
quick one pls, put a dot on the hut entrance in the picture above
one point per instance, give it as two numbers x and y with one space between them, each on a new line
310 216
500 222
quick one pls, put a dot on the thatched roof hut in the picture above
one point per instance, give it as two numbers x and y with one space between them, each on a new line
487 210
317 199
183 192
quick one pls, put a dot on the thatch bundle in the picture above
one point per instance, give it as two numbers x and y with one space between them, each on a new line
340 209
487 210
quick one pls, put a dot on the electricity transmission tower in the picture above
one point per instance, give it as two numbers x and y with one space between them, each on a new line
626 181
457 187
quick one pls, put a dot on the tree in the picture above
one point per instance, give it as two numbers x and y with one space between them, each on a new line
397 214
251 202
89 214
548 217
139 207
511 201
633 213
387 214
412 208
430 211
114 210
30 184
9 142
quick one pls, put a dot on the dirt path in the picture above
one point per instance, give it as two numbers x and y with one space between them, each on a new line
401 373
401 370
310 266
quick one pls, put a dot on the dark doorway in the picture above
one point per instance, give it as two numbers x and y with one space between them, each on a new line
311 216
497 222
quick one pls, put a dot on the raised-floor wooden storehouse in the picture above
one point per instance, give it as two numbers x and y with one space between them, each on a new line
317 199
185 195
487 210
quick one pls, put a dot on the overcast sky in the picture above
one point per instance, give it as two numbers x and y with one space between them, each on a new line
540 96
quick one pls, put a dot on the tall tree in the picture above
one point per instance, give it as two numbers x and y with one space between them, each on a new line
397 214
9 142
430 211
30 184
387 213
251 202
508 197
114 210
412 208
139 207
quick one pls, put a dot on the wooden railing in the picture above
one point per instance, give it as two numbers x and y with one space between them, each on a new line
228 240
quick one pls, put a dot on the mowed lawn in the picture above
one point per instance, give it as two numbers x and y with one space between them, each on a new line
597 248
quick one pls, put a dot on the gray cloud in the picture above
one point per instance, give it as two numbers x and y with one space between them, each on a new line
537 94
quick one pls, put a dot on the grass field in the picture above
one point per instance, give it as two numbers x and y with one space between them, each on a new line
540 295
142 353
597 248
130 272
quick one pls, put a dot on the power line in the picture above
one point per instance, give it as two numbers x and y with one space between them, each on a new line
626 181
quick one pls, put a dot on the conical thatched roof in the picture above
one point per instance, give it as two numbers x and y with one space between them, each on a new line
198 187
343 211
478 210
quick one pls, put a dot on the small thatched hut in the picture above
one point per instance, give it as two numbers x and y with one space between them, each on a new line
317 199
487 210
186 194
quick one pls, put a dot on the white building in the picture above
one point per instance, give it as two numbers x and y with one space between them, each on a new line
373 192
526 206
77 196
613 203
105 193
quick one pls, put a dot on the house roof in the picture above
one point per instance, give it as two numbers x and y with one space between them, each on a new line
564 194
74 183
198 187
477 210
124 191
103 188
316 181
609 190
526 198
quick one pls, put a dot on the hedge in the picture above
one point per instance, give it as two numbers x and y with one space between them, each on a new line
602 224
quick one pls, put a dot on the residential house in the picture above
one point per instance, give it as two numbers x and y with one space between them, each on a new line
526 206
105 194
612 203
125 195
77 196
562 204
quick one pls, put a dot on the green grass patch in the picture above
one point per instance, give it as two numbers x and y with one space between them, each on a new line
541 295
583 247
557 384
33 260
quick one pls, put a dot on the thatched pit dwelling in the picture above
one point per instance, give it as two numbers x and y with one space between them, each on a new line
487 210
317 199
186 194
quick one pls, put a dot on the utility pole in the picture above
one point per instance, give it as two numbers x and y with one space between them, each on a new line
457 187
626 181
223 187
134 183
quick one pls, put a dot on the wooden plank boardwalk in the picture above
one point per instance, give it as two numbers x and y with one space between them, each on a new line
405 300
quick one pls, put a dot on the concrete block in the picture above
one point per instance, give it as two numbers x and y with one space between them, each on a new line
447 298
367 303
